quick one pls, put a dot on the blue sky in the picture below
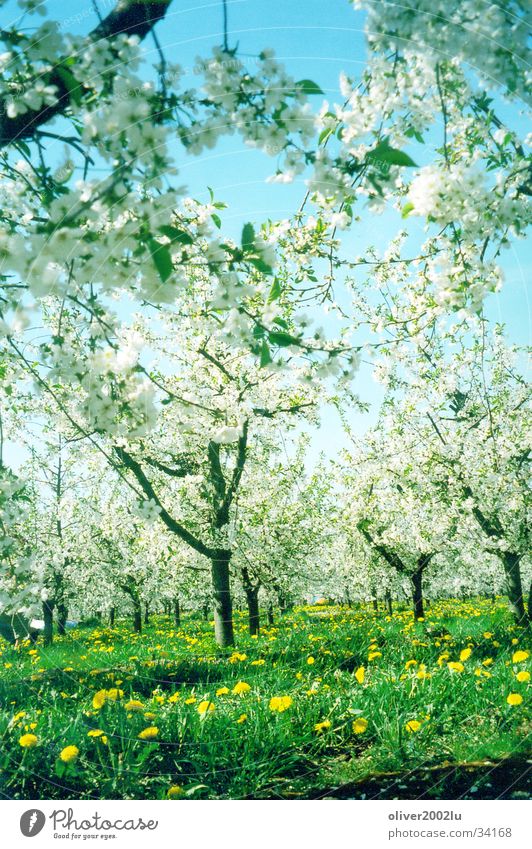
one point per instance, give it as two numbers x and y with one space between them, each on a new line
315 40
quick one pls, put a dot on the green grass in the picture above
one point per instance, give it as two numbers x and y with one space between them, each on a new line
462 715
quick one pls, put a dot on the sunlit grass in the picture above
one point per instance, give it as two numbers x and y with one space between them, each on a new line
353 693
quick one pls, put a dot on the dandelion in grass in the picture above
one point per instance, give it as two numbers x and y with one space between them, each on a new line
205 707
175 792
99 699
322 726
69 754
278 704
360 674
360 725
28 741
523 676
241 688
519 656
149 733
514 699
412 726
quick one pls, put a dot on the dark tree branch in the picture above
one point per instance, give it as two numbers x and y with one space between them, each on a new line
390 556
223 516
172 524
131 18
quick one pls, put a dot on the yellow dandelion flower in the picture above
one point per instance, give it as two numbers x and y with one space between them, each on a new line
322 726
260 662
205 707
456 667
310 660
519 656
359 674
174 697
174 792
69 754
523 676
465 654
190 701
360 725
99 699
95 732
487 662
242 718
278 704
373 655
114 694
241 688
412 726
134 705
28 741
514 699
149 733
222 691
410 663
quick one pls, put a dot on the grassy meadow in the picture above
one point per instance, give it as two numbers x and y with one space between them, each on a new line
329 702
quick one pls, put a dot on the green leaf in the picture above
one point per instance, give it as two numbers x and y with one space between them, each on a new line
309 87
60 768
260 265
265 355
324 135
407 209
282 340
275 291
217 220
176 235
161 258
391 156
70 83
248 236
258 331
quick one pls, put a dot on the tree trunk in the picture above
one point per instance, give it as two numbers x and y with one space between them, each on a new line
137 616
48 616
146 613
223 606
285 605
271 620
62 616
252 597
417 593
112 614
514 587
389 605
530 602
177 613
